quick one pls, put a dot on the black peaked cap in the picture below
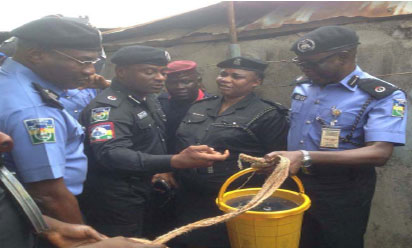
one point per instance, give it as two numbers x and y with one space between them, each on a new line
140 55
56 32
325 39
245 63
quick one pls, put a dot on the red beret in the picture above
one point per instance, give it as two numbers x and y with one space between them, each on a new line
180 66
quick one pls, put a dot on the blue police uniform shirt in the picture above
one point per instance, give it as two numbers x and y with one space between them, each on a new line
312 103
48 142
75 100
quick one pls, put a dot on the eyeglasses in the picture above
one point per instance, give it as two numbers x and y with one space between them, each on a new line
314 64
77 60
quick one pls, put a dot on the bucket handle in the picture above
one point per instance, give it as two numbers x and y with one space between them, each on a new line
249 170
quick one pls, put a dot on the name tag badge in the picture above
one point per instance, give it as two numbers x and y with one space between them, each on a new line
298 97
330 138
142 115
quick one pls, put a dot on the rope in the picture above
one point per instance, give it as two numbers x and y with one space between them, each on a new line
272 183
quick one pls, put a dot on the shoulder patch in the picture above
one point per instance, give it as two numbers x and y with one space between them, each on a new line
377 88
100 114
41 130
398 108
101 132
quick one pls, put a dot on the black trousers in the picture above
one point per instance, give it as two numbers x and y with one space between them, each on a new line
191 207
115 207
338 216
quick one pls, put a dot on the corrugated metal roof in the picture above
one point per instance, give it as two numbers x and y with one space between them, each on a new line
304 12
253 19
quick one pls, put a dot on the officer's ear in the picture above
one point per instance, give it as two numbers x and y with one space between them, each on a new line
258 80
199 81
120 71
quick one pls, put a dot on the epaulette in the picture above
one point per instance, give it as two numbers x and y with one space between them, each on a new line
110 97
299 80
48 96
281 109
213 97
377 88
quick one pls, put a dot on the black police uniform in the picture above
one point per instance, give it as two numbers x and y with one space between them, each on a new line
126 146
174 111
252 126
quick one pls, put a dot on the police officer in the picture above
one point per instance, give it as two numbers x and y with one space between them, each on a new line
52 55
343 123
239 121
183 88
126 143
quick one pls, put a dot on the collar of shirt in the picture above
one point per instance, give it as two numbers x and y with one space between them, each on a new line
214 110
117 86
14 67
357 72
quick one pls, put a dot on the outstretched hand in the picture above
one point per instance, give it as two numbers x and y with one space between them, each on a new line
63 234
197 156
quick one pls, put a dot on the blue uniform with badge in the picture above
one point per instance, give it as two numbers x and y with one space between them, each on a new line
341 116
48 140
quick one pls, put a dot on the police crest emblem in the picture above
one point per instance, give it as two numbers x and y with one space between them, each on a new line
101 132
41 130
237 61
306 45
100 114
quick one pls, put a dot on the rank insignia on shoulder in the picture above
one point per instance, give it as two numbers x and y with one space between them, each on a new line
100 114
398 108
101 132
380 89
142 115
41 130
298 97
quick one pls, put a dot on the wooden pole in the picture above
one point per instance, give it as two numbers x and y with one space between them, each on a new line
234 46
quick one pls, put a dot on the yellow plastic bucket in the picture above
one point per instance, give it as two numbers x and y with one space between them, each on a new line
264 229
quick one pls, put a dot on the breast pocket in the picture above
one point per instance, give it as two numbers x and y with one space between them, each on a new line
144 123
194 119
344 120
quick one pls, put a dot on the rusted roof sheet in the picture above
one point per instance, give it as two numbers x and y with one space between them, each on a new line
304 12
253 19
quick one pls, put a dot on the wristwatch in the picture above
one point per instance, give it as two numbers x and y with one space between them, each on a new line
306 162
